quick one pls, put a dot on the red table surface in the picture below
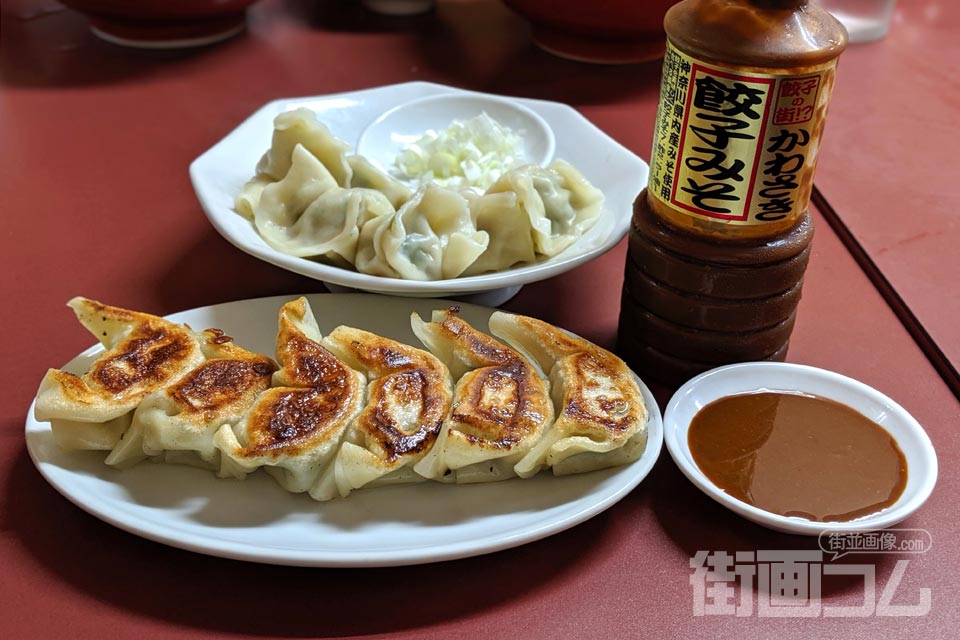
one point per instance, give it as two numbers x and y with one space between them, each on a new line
95 145
888 166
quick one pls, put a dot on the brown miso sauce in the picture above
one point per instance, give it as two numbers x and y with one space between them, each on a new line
798 455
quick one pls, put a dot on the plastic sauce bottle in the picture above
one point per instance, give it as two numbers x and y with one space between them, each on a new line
721 235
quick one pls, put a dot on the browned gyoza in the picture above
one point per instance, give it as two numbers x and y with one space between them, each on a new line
408 396
501 404
601 416
144 353
353 409
295 428
179 422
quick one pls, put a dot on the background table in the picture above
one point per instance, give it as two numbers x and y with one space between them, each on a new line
887 173
95 145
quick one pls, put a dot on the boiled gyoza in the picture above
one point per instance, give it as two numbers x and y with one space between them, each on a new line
282 203
144 353
601 418
507 225
307 214
330 227
409 392
179 422
249 197
367 176
560 204
311 199
292 129
294 429
301 127
431 237
501 404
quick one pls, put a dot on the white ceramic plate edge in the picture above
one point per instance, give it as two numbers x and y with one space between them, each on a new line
924 461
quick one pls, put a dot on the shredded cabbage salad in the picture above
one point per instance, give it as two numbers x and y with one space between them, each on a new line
468 153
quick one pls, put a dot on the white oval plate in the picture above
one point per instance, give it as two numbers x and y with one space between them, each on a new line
395 525
220 172
778 376
386 137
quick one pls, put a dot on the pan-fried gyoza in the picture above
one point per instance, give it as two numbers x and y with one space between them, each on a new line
350 410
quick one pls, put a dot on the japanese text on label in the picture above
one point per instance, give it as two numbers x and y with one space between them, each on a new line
732 146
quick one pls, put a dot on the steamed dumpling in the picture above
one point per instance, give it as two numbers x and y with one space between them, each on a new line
601 417
508 226
501 404
144 353
368 176
559 202
301 127
431 237
408 394
308 215
330 226
433 234
249 197
282 203
295 428
370 259
179 422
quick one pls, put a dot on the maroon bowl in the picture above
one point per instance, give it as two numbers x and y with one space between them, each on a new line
608 31
163 24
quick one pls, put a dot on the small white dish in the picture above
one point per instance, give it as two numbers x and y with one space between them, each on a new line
407 524
220 172
164 43
385 138
778 376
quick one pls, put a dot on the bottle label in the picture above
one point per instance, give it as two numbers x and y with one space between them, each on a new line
737 146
